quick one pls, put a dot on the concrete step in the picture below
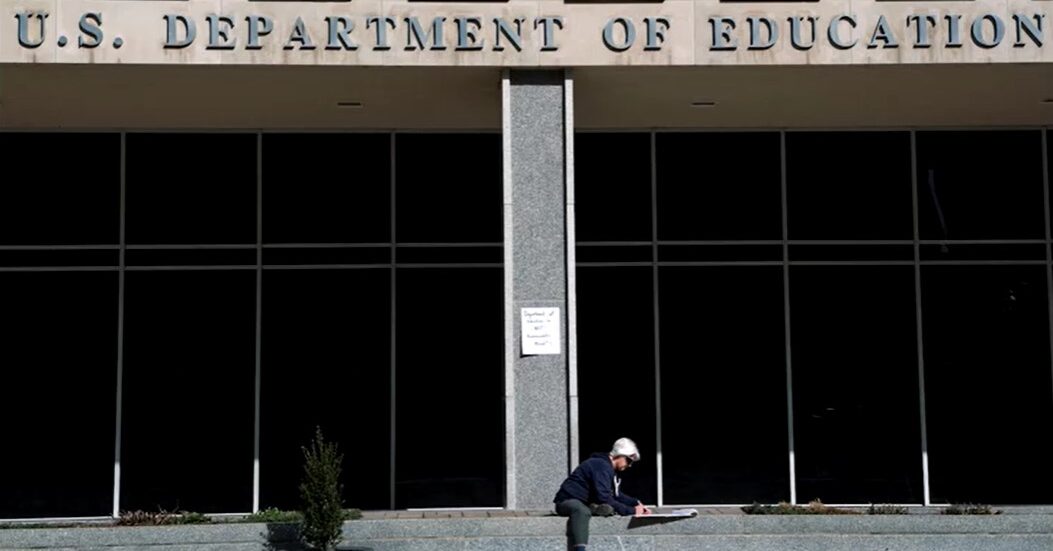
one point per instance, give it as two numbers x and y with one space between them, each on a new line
1032 531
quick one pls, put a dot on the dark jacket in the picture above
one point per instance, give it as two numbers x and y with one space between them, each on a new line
594 481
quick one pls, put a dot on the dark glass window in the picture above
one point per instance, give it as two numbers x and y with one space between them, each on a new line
719 186
59 380
326 188
612 186
189 383
450 431
987 383
616 369
980 185
449 188
60 189
855 384
724 430
326 363
849 185
190 188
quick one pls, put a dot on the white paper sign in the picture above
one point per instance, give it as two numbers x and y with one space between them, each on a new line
540 331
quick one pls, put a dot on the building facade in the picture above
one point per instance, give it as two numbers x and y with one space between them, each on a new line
796 250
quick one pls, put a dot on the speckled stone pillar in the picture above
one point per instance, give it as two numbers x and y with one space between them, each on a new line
536 393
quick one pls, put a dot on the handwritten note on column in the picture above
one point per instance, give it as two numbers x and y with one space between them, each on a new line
540 328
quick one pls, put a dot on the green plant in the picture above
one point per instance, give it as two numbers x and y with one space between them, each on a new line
161 518
274 515
815 507
352 514
189 517
970 509
323 514
875 509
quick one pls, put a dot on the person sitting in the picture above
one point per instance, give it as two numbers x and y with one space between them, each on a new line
594 488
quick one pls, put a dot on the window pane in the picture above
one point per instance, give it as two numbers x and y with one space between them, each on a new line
855 384
616 369
448 188
64 189
980 185
450 431
326 363
189 384
987 383
849 185
190 188
59 379
716 186
724 431
326 188
612 187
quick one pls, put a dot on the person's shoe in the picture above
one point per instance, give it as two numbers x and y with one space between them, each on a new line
601 510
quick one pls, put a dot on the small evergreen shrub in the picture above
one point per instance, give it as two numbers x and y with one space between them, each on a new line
323 513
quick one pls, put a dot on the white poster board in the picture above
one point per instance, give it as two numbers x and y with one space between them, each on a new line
540 331
675 513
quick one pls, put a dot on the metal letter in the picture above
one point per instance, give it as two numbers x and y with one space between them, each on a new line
795 32
467 39
299 34
922 23
831 32
954 39
656 28
1033 30
416 32
755 25
382 31
608 34
548 23
340 28
89 25
23 28
219 33
259 25
722 39
883 33
978 30
188 25
515 37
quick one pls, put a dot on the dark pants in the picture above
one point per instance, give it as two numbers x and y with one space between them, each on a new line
578 523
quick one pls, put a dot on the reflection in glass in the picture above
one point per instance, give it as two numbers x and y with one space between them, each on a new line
980 185
717 186
855 384
616 369
189 384
326 363
448 188
987 383
612 186
724 430
449 398
204 195
849 185
326 188
59 381
60 189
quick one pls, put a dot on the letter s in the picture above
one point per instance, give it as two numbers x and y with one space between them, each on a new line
90 26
